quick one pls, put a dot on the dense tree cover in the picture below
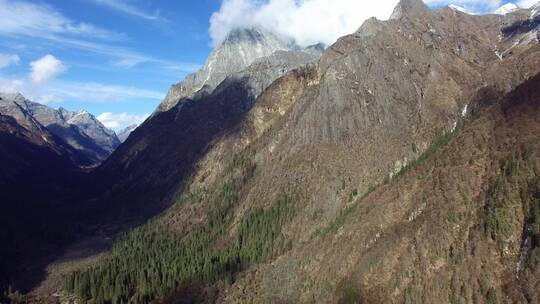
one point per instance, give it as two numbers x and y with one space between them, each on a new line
516 173
150 261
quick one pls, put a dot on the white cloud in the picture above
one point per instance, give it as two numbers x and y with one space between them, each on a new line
8 59
38 22
313 21
42 21
472 6
126 8
48 98
45 69
526 3
122 57
307 21
11 85
57 91
125 58
97 92
120 120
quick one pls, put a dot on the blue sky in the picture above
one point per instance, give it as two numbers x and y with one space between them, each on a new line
115 56
119 57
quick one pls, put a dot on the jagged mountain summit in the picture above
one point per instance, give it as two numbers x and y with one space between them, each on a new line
80 129
105 138
241 48
186 125
408 8
34 160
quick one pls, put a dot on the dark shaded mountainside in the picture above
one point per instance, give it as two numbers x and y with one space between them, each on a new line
400 167
36 168
75 215
398 82
32 154
91 140
44 155
161 153
124 134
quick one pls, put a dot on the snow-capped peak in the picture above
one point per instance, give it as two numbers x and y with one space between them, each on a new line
506 9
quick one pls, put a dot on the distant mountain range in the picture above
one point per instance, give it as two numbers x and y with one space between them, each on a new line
80 130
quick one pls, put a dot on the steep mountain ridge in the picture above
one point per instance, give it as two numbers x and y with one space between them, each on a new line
241 48
183 133
409 8
105 138
449 228
16 107
28 140
37 169
385 91
124 134
81 130
373 175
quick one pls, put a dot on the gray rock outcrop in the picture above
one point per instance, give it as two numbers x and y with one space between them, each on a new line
242 48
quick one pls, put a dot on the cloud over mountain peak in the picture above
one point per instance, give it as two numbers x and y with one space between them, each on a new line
313 21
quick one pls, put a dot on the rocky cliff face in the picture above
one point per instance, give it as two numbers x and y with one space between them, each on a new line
105 138
81 130
386 91
240 49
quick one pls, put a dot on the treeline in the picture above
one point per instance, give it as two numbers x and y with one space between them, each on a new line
150 262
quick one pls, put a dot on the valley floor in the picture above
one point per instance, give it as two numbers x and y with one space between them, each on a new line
80 255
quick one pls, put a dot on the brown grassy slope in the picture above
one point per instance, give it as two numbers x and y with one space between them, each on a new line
422 237
376 101
331 131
